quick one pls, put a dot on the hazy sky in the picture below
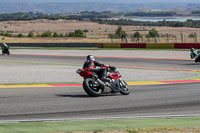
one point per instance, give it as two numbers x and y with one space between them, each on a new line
116 1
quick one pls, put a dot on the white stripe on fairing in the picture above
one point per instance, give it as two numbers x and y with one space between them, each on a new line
99 118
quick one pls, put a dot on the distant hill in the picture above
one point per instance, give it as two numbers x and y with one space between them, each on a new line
75 7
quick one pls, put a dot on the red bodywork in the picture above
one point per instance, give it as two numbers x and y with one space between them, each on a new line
85 73
88 74
115 76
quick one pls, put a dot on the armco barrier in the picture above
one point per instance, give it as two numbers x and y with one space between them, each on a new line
160 45
186 45
53 44
112 45
133 45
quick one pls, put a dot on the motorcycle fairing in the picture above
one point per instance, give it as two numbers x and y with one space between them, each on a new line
86 74
115 76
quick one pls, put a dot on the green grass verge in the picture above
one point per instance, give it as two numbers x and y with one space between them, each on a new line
93 48
98 125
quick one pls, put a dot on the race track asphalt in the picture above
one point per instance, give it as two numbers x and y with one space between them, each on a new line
48 103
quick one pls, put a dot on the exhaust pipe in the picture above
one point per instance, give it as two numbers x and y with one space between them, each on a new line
100 82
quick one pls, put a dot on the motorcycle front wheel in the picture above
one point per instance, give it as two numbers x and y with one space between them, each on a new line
124 90
91 88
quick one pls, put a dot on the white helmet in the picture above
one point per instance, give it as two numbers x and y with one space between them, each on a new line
90 58
5 44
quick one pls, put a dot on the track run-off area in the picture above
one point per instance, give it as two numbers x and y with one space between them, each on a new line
44 85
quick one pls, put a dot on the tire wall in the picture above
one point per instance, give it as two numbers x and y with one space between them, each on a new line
112 45
152 45
133 45
186 45
159 45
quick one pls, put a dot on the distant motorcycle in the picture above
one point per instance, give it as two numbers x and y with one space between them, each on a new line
195 54
5 50
95 87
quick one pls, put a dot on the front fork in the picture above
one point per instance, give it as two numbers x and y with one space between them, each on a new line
122 82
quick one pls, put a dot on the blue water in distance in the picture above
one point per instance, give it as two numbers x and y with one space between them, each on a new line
156 19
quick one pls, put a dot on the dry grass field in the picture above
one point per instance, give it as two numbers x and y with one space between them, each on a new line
97 33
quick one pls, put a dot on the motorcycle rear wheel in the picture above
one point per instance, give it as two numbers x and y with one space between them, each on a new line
124 90
90 89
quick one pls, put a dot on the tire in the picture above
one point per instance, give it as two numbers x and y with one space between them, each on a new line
90 89
8 53
198 59
124 88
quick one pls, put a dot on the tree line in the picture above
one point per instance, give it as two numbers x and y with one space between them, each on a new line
48 33
81 16
120 33
137 36
188 23
152 14
196 12
29 16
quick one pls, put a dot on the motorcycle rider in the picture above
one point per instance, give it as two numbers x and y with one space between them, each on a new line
90 64
4 45
195 54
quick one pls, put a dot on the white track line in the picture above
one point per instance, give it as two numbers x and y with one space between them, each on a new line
99 118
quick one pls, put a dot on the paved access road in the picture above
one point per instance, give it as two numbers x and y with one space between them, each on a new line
72 102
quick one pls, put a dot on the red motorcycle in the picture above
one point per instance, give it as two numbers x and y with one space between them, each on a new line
95 87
